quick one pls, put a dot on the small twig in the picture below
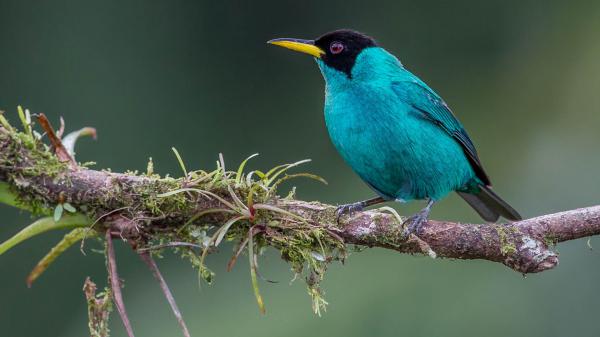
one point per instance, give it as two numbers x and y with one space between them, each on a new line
59 149
115 283
145 256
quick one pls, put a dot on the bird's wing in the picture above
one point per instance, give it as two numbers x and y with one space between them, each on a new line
433 108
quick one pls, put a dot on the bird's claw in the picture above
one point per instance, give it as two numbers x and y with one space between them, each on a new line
349 209
413 224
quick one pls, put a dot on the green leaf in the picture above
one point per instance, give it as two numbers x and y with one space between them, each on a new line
259 299
271 171
58 211
43 225
24 120
260 174
278 170
4 122
223 230
68 240
240 171
273 187
278 210
69 208
218 236
185 172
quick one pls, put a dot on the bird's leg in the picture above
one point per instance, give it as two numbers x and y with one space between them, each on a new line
358 206
413 224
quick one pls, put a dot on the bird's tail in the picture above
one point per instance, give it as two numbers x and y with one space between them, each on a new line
489 205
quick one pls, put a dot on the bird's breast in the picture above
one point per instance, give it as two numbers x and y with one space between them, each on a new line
362 118
369 129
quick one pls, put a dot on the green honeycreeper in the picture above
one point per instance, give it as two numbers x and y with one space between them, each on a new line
394 131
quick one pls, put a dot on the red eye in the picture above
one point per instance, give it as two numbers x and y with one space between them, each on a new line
336 47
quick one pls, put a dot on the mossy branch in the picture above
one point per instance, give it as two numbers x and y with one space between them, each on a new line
195 213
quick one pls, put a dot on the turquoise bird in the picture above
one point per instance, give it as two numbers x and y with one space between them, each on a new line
395 132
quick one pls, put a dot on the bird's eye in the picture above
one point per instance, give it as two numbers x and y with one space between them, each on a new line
336 47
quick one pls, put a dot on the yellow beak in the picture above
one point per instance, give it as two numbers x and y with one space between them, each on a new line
303 46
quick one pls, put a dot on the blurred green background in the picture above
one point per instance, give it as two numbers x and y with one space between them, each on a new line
523 76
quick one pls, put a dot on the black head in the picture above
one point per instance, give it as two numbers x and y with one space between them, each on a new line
341 47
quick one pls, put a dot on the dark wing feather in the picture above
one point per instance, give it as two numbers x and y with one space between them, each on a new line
434 109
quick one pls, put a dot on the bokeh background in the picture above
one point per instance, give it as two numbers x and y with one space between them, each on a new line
523 76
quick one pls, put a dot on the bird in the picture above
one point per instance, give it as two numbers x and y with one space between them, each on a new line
396 133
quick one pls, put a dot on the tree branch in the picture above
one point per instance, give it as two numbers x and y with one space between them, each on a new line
41 181
115 284
523 246
147 258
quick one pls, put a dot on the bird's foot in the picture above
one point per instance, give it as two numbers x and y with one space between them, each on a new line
357 206
413 224
349 208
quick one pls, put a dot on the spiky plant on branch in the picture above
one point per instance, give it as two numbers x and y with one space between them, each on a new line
194 214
